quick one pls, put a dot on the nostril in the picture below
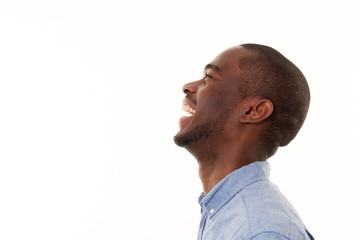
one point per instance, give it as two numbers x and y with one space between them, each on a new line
190 88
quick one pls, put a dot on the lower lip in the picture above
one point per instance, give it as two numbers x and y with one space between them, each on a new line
183 121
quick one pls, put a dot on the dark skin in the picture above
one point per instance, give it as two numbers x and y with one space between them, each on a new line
238 140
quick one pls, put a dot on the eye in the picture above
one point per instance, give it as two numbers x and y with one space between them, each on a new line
208 79
208 76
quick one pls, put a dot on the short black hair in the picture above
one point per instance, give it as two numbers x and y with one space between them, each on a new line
270 75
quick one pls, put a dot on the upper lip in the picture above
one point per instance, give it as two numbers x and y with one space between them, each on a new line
188 103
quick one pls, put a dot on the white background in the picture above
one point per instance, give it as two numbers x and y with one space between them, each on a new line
90 96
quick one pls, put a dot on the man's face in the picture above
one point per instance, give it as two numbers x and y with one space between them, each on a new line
211 99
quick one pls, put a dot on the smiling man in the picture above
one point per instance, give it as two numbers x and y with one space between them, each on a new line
250 101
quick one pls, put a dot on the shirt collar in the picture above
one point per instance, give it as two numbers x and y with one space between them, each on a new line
232 184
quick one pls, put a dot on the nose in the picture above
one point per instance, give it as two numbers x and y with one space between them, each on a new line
190 88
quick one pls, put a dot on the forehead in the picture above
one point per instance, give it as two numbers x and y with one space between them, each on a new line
229 59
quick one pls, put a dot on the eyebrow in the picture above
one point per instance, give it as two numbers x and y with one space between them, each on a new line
211 66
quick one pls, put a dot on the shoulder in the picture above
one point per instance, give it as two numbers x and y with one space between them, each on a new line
269 213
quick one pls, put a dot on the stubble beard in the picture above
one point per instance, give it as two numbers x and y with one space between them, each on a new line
203 131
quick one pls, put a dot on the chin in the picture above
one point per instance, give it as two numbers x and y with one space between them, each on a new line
190 133
185 136
181 140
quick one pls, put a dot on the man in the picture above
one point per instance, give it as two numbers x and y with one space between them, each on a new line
250 101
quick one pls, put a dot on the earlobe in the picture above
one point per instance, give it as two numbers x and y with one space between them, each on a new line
256 110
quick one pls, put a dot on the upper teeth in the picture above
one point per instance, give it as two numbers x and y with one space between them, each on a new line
188 109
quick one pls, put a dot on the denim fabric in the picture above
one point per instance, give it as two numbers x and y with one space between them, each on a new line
246 205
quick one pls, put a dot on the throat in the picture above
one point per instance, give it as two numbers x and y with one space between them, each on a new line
215 164
212 174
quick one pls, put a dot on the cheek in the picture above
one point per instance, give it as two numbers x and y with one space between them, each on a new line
212 102
210 107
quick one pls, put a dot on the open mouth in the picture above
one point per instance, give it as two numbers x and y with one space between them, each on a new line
188 109
185 120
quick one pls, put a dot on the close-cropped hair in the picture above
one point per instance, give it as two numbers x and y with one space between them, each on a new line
269 75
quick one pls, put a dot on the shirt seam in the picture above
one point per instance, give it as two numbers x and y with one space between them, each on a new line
269 232
246 209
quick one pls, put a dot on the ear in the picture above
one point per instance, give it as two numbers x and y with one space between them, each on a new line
256 110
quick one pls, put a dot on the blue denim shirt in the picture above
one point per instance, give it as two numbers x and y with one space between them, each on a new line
246 205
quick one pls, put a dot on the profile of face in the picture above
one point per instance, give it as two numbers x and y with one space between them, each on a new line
211 100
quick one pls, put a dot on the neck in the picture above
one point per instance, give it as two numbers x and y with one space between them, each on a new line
217 159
